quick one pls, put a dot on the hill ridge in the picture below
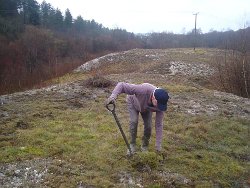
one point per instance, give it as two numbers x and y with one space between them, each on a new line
64 130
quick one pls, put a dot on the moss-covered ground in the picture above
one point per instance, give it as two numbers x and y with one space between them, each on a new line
86 147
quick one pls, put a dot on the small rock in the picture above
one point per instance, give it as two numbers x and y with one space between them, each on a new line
4 114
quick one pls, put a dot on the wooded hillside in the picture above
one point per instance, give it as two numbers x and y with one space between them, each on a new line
39 42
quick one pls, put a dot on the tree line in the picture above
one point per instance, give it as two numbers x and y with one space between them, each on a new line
39 42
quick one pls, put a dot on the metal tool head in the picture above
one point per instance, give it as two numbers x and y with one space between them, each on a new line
111 107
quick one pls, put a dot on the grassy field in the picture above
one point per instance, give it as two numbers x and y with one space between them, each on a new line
85 148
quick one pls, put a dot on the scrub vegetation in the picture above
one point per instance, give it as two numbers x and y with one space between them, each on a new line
63 136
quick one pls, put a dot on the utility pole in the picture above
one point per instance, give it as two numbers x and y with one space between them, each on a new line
195 28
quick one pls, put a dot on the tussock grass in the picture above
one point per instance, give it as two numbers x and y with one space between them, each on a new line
99 81
207 150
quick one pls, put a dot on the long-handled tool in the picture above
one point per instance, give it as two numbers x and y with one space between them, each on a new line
111 108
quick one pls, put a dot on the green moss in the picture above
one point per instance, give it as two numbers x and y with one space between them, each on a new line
180 88
204 165
70 77
200 51
208 150
145 159
212 149
9 154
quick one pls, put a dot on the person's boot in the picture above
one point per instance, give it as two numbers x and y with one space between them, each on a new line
133 149
145 143
133 135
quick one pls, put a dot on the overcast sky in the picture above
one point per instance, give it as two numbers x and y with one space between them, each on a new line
145 16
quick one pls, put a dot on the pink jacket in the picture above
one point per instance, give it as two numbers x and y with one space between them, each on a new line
141 95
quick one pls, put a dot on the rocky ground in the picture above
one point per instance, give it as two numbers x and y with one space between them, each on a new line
190 72
155 66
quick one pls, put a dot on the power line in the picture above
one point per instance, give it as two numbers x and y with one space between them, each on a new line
195 28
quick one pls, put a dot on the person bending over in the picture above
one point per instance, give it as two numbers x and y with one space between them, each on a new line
143 99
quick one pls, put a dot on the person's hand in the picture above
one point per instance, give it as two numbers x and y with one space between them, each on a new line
110 101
